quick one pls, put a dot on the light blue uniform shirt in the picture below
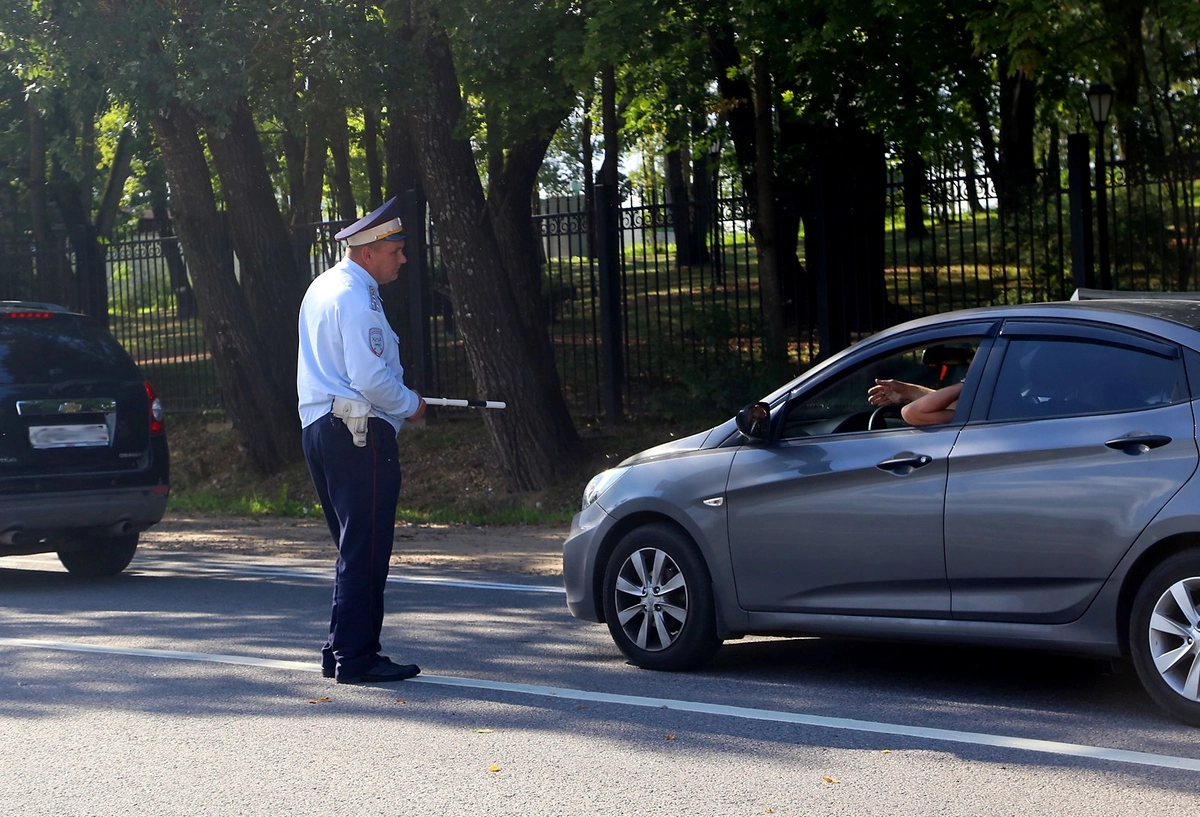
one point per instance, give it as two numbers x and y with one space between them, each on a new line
348 349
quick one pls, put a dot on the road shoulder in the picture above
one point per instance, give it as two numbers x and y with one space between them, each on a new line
521 549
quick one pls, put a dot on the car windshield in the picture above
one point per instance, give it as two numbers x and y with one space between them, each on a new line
59 348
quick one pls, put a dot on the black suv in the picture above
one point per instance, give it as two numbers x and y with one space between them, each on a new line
83 450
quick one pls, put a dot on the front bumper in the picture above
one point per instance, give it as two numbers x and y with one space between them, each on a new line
581 550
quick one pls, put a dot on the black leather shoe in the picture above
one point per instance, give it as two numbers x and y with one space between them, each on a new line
383 672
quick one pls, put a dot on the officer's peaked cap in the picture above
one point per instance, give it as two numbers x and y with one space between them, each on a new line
382 224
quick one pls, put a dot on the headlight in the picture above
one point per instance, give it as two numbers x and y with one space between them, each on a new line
599 484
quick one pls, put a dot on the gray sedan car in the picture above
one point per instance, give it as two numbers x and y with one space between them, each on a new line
1059 508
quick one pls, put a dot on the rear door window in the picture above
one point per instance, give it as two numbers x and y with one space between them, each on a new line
1062 377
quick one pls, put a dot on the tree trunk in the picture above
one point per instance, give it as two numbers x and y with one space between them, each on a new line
609 175
370 146
114 187
307 188
682 207
1017 119
849 164
765 225
316 148
1123 19
987 139
534 438
293 153
270 276
494 144
268 425
396 297
85 174
914 194
589 175
339 148
679 198
704 194
510 211
738 102
402 171
52 273
185 299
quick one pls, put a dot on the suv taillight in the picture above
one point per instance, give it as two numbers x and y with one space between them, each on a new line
156 410
21 316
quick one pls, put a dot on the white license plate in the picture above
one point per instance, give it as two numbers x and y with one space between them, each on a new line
76 436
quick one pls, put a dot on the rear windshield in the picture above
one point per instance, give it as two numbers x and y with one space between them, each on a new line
62 347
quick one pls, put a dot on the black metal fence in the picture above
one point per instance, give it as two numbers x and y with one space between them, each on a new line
636 328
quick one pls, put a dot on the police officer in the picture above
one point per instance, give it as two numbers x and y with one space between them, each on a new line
353 402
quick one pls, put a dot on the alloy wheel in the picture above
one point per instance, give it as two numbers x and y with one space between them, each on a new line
651 599
1174 638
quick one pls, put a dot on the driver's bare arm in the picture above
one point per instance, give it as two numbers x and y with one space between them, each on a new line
933 408
895 392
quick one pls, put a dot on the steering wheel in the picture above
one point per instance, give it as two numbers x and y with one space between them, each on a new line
882 413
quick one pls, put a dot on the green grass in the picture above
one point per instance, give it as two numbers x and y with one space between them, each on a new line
192 501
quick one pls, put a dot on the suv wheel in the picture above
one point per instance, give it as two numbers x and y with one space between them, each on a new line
93 556
1164 635
658 600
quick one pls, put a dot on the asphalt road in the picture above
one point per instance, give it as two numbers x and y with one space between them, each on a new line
190 685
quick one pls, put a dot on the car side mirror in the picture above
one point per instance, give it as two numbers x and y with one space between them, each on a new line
755 421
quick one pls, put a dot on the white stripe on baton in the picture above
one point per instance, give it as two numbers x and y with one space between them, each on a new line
449 401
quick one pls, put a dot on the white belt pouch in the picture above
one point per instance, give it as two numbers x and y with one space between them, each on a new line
354 414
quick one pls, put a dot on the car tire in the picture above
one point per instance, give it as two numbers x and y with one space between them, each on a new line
1164 635
658 600
99 557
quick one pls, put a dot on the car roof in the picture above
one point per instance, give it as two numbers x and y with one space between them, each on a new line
1175 308
1163 306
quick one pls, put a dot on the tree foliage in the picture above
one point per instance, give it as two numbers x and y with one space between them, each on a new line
299 110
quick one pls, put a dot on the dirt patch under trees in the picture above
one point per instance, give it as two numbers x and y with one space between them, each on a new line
531 550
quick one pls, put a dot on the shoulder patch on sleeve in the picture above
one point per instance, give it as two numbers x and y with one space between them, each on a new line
375 336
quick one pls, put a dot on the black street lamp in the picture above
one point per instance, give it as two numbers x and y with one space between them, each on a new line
1100 98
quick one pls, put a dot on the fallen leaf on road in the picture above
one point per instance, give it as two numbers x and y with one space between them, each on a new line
322 700
484 731
493 768
831 780
669 736
401 701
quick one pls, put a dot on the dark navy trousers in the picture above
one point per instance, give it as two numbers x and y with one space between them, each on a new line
358 489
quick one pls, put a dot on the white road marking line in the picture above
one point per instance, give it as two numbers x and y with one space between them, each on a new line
747 713
151 564
176 655
326 574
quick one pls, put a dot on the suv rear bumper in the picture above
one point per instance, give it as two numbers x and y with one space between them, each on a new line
38 522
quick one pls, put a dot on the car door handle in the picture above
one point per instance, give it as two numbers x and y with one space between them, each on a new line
1138 443
904 464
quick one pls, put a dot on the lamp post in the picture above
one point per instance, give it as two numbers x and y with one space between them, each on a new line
1100 98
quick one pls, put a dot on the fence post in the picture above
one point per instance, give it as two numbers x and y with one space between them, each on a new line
1082 260
609 265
